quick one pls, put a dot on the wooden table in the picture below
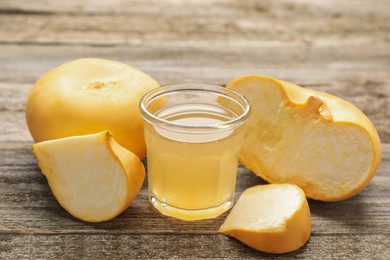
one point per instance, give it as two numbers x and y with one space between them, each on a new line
342 47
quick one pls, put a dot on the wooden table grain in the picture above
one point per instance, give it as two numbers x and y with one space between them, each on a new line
342 47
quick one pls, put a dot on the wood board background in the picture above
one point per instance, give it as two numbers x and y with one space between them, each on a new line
342 47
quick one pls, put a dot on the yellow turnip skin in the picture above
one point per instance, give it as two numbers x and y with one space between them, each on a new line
87 96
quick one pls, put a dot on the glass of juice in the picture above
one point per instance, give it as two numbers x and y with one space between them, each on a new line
193 134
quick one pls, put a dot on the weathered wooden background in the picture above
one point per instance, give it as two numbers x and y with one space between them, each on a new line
342 47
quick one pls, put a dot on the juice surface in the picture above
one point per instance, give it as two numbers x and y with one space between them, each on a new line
192 172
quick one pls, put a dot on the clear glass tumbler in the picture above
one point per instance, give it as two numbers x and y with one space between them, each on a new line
193 134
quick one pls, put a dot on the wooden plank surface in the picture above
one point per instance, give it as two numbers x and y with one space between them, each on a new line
34 225
342 47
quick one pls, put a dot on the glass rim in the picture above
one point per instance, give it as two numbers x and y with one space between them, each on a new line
220 90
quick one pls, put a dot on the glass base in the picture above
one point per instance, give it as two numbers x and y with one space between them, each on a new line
192 214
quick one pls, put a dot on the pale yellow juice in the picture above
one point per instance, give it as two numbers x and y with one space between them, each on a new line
192 175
